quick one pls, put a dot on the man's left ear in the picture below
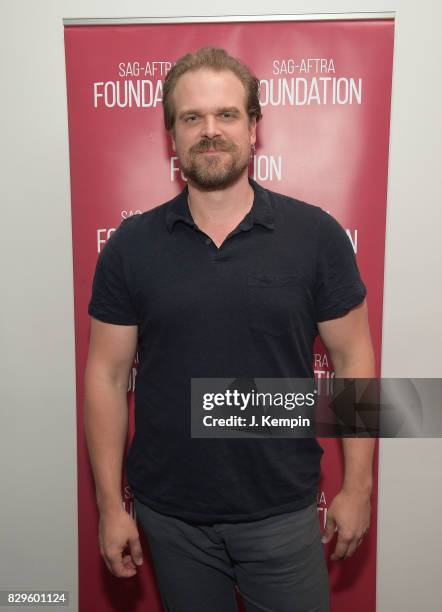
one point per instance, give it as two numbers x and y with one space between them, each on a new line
252 127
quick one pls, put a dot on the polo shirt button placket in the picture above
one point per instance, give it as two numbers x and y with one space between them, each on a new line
214 252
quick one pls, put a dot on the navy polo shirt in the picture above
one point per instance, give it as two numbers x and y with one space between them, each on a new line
247 309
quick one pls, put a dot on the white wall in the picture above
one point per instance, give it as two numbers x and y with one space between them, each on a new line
38 429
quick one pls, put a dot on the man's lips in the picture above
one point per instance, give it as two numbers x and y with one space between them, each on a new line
212 150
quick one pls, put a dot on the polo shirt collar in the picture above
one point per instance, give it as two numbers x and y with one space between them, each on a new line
261 212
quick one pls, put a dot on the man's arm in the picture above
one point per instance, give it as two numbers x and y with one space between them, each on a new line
348 343
111 353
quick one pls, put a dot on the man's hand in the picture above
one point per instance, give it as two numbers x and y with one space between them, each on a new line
118 531
349 515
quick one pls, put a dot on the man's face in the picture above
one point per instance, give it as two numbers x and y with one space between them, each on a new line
213 135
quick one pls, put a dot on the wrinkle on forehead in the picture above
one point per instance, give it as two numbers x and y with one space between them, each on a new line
206 89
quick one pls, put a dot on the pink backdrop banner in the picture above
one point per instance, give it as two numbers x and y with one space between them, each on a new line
325 94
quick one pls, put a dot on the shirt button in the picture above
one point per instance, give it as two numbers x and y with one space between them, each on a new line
208 240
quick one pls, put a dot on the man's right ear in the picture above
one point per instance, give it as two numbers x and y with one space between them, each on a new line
172 139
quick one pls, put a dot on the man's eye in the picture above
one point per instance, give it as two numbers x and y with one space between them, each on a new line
190 118
227 115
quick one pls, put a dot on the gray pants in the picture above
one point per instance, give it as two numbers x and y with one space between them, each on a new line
277 563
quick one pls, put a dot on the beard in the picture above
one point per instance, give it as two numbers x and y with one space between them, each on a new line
213 172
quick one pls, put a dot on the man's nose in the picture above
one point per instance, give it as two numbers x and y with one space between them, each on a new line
210 127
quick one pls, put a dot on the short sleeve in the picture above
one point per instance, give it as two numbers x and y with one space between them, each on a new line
111 299
338 286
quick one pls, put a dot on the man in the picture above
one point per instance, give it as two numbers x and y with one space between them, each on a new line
226 280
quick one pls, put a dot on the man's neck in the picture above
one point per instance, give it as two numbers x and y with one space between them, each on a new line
221 208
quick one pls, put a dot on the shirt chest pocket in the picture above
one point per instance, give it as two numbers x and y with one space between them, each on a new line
276 304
